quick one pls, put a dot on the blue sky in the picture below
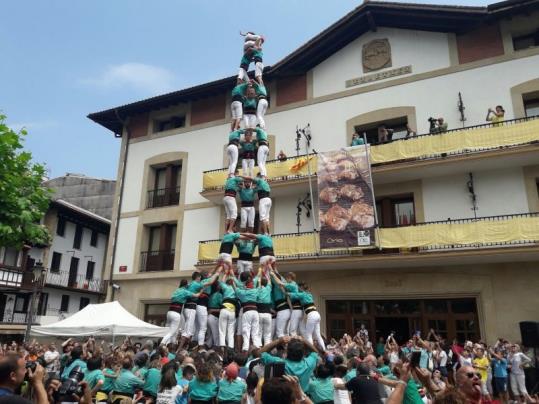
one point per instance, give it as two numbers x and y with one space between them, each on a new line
63 59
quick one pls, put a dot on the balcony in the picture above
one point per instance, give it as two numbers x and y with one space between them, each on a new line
152 261
163 197
457 142
420 239
14 278
18 318
63 279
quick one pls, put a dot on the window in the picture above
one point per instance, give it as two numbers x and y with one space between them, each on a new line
526 41
90 270
42 304
77 240
56 261
84 301
156 314
21 304
61 226
94 238
531 106
395 211
166 186
11 256
168 123
64 305
160 253
398 125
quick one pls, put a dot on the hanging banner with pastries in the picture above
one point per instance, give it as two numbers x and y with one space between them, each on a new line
345 197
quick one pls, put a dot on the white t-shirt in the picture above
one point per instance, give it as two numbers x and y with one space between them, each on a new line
168 396
393 357
515 360
53 364
340 396
442 358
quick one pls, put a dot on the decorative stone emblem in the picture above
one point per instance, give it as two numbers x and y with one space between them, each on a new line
376 55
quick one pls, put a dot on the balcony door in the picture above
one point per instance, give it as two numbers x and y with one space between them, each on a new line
73 270
3 300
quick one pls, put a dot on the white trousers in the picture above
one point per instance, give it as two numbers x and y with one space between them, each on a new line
189 316
312 329
250 329
261 109
247 216
518 384
238 322
264 208
273 327
281 323
259 68
262 156
244 266
249 120
242 74
236 108
295 319
202 323
174 320
231 207
227 320
213 326
248 167
232 153
265 328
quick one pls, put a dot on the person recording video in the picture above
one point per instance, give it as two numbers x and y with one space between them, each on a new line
437 125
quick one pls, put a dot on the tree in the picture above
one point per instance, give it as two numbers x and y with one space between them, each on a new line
23 199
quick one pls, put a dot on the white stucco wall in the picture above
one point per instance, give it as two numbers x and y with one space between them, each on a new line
55 299
126 248
424 51
499 192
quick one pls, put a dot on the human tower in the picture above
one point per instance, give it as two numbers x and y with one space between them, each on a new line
235 305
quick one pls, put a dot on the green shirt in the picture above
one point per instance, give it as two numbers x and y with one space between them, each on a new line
357 141
235 135
249 103
180 295
215 301
70 367
248 146
247 295
233 183
350 375
261 135
239 90
93 376
257 53
152 380
303 369
277 293
228 291
291 287
264 294
264 241
411 395
231 390
109 381
320 390
202 391
230 237
305 298
247 194
260 90
246 246
127 382
261 184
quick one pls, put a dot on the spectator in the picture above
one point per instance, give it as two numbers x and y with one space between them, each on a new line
340 396
76 359
496 116
499 371
384 135
126 382
364 388
283 390
481 363
321 388
94 377
203 387
12 373
169 390
357 140
52 360
281 156
516 361
231 387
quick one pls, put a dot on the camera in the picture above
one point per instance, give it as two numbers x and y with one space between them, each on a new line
31 365
70 385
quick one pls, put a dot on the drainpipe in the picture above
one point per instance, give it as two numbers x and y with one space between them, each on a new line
117 224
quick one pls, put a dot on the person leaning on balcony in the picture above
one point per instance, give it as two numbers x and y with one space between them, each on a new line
384 134
357 140
496 116
440 126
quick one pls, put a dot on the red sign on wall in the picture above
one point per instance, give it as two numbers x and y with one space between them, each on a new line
123 268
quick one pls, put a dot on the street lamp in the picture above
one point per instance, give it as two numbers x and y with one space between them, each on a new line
37 271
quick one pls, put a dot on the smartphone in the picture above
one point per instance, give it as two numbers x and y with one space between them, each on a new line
274 370
415 358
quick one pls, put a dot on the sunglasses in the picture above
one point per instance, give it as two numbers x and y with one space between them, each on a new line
472 374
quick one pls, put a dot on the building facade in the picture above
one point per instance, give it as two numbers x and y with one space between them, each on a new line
382 64
72 265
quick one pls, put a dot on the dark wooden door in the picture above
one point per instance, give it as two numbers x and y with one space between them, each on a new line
73 269
3 300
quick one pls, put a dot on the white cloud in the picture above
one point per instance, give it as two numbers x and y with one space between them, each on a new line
139 76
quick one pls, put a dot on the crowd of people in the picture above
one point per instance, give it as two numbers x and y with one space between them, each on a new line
288 369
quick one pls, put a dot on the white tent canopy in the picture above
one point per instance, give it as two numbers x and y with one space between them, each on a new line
101 319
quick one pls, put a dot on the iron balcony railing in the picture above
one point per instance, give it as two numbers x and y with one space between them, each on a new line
308 248
152 261
11 317
12 278
163 197
78 282
464 150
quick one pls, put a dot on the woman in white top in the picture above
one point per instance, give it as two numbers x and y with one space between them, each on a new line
168 388
340 396
516 362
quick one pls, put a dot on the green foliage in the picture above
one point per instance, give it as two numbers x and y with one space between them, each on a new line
23 199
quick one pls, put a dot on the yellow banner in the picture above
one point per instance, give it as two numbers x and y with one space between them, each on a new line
516 229
459 141
464 140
